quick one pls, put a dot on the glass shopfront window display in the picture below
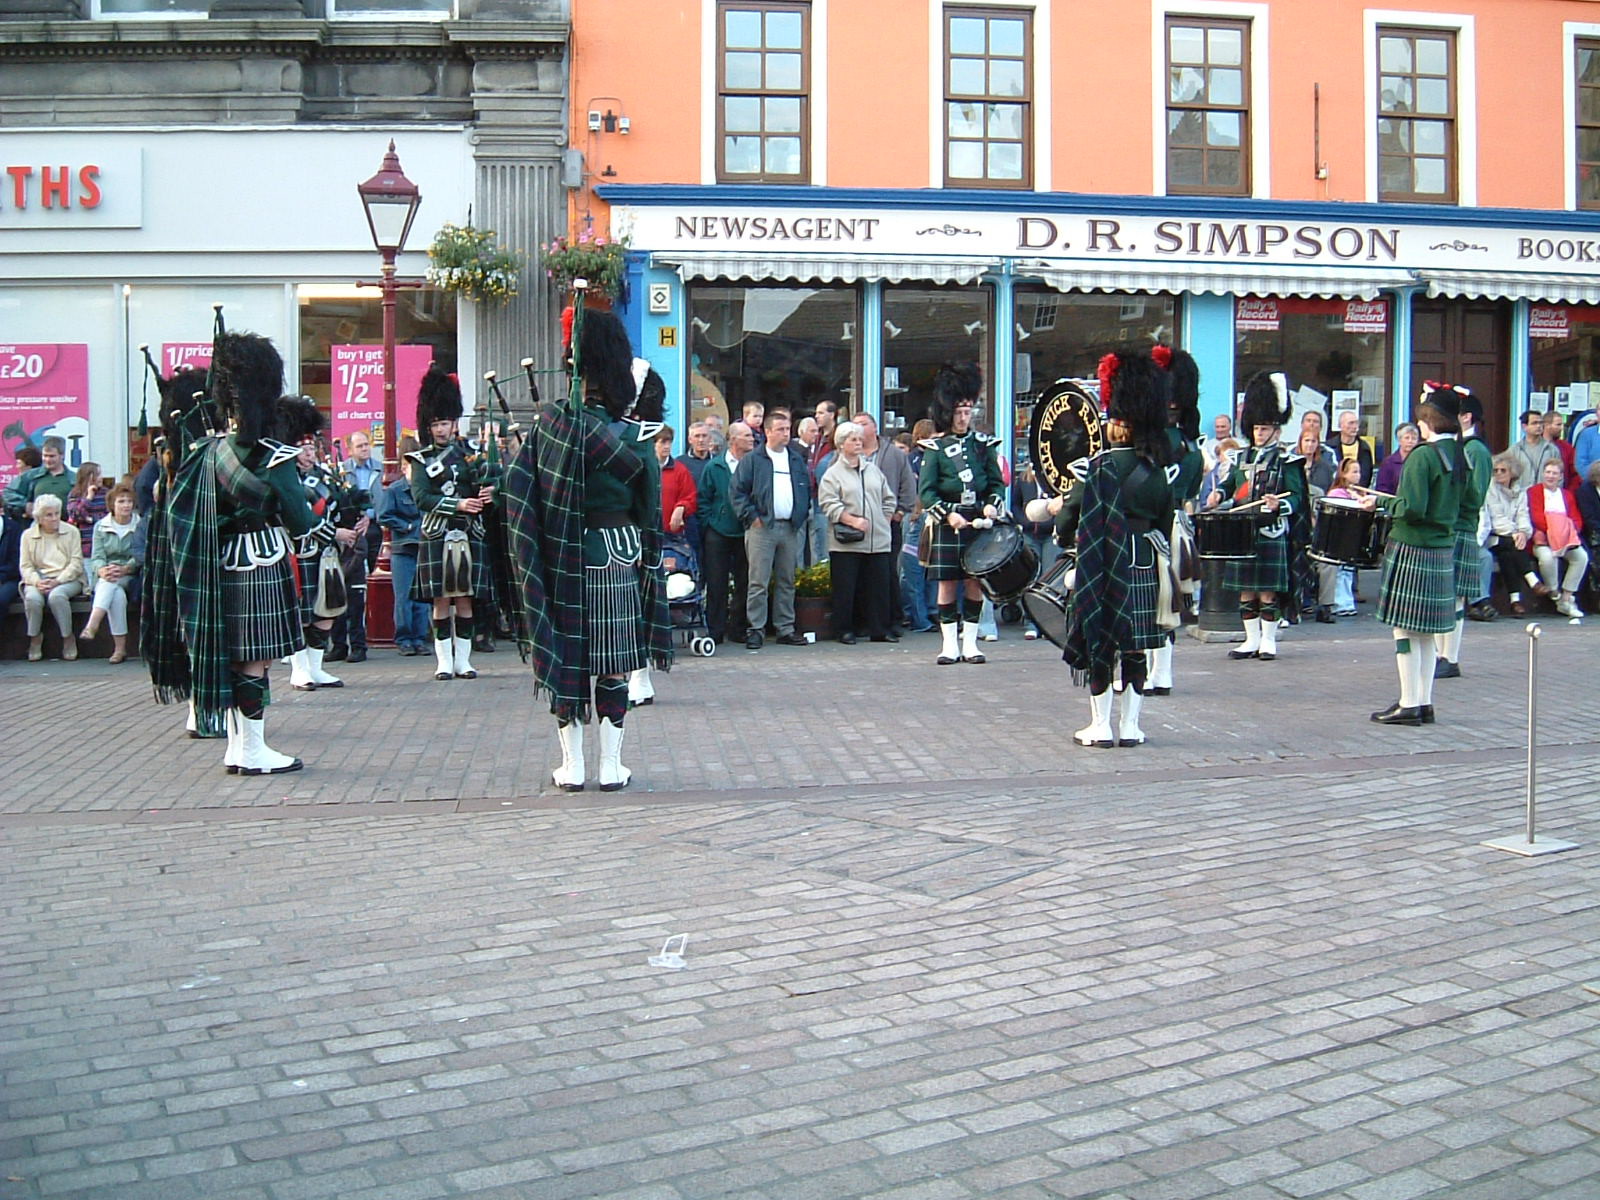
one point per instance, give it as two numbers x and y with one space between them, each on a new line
1564 356
1064 335
1336 353
923 328
785 347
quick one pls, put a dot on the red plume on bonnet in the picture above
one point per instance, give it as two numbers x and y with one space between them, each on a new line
1162 353
1107 371
567 316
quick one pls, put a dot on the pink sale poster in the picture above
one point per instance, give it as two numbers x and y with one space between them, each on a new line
357 397
44 392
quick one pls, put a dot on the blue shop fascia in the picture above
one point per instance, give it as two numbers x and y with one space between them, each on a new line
788 295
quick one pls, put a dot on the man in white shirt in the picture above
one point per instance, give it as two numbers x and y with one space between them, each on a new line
772 497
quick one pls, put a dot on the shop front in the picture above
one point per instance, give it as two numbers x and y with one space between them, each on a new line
265 223
789 294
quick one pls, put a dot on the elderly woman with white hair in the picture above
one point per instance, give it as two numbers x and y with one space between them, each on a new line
52 574
858 504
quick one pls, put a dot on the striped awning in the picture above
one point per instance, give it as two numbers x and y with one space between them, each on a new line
1218 278
826 270
1514 285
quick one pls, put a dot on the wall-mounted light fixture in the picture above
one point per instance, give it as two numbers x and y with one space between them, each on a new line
1023 334
894 330
849 331
974 327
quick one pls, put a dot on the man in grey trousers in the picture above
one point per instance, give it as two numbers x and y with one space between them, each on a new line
772 498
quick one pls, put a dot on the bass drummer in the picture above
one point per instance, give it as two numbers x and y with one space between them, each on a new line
960 482
1265 477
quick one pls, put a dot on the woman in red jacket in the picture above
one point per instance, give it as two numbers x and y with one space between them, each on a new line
679 497
1558 535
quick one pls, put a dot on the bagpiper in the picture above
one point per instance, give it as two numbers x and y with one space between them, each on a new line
452 488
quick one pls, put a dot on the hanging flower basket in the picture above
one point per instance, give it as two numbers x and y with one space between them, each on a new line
470 263
598 259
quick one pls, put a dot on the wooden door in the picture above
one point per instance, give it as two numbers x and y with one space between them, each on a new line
1467 342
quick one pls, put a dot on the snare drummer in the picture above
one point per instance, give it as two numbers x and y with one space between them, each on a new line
1263 477
1417 593
1125 511
960 482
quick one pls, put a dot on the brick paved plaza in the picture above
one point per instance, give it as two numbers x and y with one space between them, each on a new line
933 950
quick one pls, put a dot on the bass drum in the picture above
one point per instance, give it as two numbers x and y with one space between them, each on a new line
1002 562
1046 601
1065 429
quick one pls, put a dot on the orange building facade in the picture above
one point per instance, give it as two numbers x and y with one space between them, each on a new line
827 199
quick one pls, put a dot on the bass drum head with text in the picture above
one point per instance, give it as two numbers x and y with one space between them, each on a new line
1065 428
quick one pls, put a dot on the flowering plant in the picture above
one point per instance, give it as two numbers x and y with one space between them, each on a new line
468 261
589 256
814 580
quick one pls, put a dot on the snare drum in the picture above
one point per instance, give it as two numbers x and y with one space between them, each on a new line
1348 535
1002 562
1046 601
1230 536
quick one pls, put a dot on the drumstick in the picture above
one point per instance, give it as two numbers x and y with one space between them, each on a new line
1257 503
1369 491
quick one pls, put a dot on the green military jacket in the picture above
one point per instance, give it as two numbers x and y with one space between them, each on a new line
960 473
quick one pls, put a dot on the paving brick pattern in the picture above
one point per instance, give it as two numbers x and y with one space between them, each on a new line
1263 957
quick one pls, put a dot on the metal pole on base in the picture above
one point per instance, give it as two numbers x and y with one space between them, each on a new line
1531 844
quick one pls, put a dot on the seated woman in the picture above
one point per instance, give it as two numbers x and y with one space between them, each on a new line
1406 436
86 503
1558 536
114 567
1508 531
52 574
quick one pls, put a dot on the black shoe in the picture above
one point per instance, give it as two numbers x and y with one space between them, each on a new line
887 637
334 655
356 656
483 645
1157 691
1325 615
845 639
795 639
1443 668
1395 715
753 640
1237 655
1483 612
1426 712
1266 656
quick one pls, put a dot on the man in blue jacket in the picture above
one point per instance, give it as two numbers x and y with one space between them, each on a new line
772 498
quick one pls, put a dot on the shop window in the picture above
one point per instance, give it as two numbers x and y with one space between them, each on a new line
936 326
988 97
1208 107
1064 335
1335 352
336 315
1417 115
763 93
1565 358
1588 131
782 347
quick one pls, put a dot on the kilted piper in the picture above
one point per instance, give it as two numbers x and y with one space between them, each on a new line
234 497
1267 477
1417 591
322 592
452 487
1467 558
1123 518
583 510
959 483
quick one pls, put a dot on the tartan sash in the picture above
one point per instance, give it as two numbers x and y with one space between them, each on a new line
160 633
197 564
1099 622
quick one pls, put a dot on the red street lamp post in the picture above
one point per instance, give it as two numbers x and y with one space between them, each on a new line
391 201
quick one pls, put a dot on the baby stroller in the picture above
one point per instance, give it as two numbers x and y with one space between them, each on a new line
685 597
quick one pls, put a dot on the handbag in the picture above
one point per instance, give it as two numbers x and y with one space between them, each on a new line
844 534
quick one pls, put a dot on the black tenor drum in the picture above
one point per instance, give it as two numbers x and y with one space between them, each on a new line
1046 601
1226 535
1002 562
1348 535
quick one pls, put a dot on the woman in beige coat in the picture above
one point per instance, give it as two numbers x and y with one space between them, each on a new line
52 574
857 502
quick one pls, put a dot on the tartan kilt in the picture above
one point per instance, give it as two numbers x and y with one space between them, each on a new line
1268 571
613 599
1144 593
429 583
944 560
261 613
1467 565
1417 589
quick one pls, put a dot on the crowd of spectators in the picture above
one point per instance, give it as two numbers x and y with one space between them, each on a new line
765 496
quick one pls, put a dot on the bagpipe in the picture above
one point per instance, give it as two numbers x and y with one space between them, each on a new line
499 441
